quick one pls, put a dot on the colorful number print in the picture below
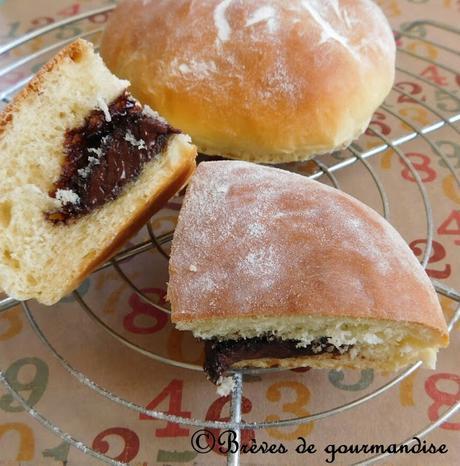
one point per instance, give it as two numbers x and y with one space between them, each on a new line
35 388
215 414
451 226
26 448
442 398
139 308
130 439
337 379
296 407
14 324
174 392
438 254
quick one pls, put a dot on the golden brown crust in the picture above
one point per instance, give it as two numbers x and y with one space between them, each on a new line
75 51
267 81
254 242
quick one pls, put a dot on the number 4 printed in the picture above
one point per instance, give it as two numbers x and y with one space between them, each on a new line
451 226
174 392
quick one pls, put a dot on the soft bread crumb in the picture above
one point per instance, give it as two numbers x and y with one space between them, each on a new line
50 260
429 356
380 344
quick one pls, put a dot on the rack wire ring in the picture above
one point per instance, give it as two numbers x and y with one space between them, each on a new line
218 424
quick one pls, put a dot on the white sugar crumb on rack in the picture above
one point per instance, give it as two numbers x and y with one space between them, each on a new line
139 143
265 13
66 196
225 386
193 268
224 30
102 104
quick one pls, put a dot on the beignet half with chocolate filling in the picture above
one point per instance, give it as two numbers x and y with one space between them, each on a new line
274 269
83 167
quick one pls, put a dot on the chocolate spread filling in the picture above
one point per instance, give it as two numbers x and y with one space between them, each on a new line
108 151
221 355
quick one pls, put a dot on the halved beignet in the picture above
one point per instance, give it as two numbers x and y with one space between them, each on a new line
274 269
83 166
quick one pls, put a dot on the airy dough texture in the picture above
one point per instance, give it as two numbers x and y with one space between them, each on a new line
45 261
262 80
259 251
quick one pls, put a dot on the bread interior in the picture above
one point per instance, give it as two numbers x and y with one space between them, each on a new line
385 345
39 259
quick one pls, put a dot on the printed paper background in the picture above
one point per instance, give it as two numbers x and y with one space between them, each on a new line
123 434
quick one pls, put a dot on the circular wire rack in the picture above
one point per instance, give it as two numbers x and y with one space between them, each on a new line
315 170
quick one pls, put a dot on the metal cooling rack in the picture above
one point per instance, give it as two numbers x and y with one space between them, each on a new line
353 155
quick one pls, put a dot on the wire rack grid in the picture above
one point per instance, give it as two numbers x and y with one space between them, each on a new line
353 155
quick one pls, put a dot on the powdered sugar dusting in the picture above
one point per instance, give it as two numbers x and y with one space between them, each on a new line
226 37
317 12
335 6
198 68
264 239
262 264
256 229
265 13
222 25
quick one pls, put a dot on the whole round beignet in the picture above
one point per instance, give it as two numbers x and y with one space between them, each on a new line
267 81
275 269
